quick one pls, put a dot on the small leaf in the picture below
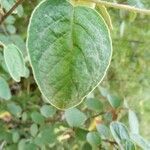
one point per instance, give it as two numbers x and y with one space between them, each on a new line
81 134
103 11
69 49
119 132
122 28
37 118
94 104
93 138
115 101
133 122
103 130
86 146
136 3
47 111
33 129
15 62
14 109
140 141
104 92
4 89
129 145
46 136
74 117
15 137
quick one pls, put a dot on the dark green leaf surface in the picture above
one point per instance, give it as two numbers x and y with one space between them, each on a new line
69 49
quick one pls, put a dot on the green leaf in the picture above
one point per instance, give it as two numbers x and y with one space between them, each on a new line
93 138
103 130
15 137
81 134
114 101
37 118
136 3
119 132
34 129
129 145
94 104
86 146
74 117
133 122
15 62
69 49
140 141
103 11
4 89
47 111
14 109
46 136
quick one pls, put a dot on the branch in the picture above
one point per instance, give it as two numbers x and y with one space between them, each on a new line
110 142
18 2
121 6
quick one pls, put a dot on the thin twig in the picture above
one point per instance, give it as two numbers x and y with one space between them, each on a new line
121 6
110 142
10 11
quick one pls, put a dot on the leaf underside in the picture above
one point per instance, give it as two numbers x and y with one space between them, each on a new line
69 49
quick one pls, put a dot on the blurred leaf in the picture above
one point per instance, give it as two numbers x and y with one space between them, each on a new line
93 138
136 3
129 145
122 28
114 101
81 134
34 129
103 130
14 109
4 89
25 145
15 136
11 29
94 104
86 146
15 39
140 141
46 136
47 111
104 92
74 117
24 116
133 122
103 11
15 62
37 118
119 132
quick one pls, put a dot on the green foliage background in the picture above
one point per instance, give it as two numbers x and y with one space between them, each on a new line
26 118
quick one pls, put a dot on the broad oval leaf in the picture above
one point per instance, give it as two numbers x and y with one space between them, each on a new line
15 62
69 49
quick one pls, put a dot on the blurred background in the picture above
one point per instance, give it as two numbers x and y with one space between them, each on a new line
128 78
